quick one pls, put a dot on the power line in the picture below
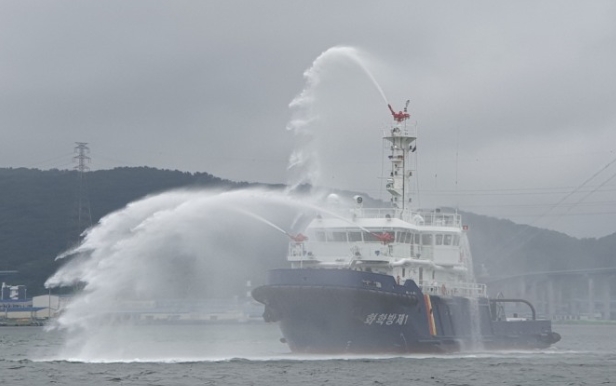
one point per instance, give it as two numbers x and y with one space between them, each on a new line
49 161
525 230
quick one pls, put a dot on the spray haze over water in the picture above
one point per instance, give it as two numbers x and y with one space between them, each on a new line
176 249
180 248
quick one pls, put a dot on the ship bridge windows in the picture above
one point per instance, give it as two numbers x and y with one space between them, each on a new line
336 236
319 236
376 235
392 234
446 239
370 237
405 237
401 236
354 236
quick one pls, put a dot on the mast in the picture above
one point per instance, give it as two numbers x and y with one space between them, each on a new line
398 182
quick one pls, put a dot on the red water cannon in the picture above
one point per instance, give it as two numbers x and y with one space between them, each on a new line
299 238
402 115
385 237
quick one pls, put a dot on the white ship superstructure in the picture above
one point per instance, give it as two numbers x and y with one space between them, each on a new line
429 247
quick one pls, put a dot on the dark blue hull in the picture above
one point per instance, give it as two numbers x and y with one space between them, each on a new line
347 311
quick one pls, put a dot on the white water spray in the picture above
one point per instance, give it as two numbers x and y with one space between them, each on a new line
319 65
304 163
475 342
174 251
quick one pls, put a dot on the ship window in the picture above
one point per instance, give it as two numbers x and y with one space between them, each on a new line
354 236
447 240
340 236
336 236
402 236
409 238
320 236
417 238
374 236
426 239
456 240
403 272
370 237
439 239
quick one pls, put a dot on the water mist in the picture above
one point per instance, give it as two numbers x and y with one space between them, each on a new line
184 246
305 162
175 248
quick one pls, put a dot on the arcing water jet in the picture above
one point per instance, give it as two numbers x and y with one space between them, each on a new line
177 248
304 162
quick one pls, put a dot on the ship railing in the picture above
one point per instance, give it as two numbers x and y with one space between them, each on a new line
454 289
381 213
400 131
297 251
339 252
434 218
439 218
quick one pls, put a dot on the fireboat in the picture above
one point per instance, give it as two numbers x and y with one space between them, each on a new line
391 280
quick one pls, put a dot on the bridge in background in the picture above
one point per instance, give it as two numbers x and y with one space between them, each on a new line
571 294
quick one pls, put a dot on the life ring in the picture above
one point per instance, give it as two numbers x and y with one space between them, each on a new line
443 290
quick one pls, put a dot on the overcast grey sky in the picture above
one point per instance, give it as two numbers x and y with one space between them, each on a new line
515 98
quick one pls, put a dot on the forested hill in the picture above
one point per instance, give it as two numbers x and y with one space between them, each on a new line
39 209
505 248
38 220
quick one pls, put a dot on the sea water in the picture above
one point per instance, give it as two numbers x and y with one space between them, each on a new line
251 354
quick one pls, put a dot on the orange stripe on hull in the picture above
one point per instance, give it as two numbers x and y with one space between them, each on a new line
430 314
